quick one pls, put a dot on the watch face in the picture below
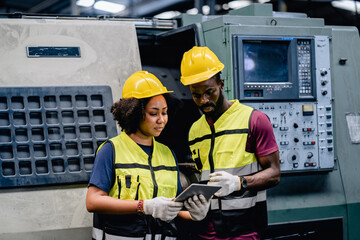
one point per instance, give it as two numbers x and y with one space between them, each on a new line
243 182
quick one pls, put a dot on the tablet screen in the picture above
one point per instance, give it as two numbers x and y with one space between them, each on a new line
196 189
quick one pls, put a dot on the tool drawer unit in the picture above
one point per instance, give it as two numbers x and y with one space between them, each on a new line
49 135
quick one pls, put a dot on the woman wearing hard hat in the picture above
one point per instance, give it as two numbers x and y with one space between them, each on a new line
135 178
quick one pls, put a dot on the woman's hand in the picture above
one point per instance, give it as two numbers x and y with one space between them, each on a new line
163 208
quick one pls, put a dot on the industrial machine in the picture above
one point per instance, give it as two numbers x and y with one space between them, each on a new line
303 74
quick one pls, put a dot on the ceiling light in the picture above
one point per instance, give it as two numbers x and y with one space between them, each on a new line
263 1
217 7
346 5
238 4
205 9
109 6
167 15
225 6
85 3
192 11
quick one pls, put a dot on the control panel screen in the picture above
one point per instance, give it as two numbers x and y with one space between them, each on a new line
289 79
266 61
274 68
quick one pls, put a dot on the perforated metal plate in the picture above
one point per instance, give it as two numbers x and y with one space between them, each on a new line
49 135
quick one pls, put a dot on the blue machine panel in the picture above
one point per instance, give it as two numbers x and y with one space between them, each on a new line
49 135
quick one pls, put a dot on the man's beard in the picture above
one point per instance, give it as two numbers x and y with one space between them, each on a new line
217 108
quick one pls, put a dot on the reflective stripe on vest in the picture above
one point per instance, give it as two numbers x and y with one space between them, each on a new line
139 176
97 234
240 171
238 203
147 237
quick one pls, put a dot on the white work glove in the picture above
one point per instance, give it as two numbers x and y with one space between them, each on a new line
163 208
197 206
228 182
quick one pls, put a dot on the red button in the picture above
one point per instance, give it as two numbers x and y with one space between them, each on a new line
312 143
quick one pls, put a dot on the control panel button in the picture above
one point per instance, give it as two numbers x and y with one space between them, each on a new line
323 72
308 110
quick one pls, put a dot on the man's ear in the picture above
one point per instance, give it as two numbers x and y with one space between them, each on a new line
221 83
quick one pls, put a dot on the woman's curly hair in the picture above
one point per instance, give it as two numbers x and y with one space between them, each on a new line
128 112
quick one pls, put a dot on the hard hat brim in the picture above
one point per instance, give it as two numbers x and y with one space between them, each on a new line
139 96
201 76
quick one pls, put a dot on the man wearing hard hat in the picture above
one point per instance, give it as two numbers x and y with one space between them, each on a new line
234 147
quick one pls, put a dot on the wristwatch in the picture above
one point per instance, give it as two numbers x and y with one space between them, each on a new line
243 182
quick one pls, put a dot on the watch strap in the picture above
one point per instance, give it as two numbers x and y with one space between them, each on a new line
243 182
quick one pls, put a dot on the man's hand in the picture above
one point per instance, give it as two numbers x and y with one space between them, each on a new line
162 208
228 182
197 206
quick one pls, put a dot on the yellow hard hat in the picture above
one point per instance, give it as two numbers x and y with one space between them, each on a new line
143 84
199 64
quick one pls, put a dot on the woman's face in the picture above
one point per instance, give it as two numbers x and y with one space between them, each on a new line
155 117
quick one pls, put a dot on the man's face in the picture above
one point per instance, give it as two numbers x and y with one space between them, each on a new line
208 96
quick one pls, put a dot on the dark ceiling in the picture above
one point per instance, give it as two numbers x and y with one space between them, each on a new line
149 8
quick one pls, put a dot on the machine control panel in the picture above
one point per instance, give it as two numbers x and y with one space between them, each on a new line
303 124
304 133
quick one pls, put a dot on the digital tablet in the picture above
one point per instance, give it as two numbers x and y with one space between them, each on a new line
196 189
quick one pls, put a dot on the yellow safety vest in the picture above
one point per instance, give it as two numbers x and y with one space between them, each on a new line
140 176
222 146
